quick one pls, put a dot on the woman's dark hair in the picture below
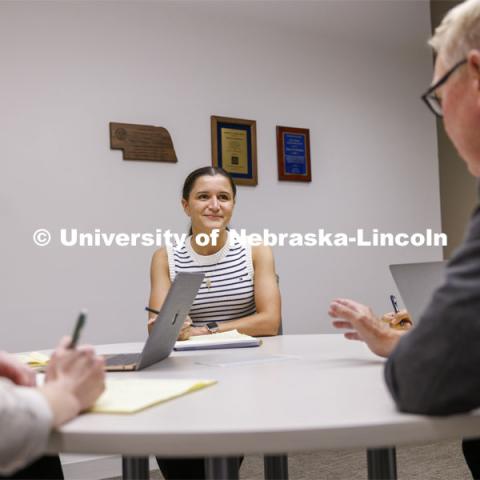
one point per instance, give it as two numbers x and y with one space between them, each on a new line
200 172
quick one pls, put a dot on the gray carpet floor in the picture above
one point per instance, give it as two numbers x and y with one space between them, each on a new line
440 461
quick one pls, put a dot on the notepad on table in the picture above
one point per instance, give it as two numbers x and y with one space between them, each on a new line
230 339
134 395
34 359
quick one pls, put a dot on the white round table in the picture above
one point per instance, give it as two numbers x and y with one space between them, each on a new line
292 394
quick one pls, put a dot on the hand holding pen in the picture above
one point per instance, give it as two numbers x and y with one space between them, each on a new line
398 319
75 377
185 330
68 354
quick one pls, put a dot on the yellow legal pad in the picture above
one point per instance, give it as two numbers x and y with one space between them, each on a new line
34 359
131 396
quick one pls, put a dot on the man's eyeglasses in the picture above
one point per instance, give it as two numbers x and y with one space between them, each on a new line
430 97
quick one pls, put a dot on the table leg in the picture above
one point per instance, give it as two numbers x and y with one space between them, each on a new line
222 468
135 468
275 467
382 464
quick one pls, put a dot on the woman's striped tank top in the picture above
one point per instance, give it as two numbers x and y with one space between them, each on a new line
227 291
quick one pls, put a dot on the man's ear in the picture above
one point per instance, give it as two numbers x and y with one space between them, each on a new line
185 206
473 59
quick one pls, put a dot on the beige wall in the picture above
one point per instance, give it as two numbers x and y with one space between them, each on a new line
68 68
457 186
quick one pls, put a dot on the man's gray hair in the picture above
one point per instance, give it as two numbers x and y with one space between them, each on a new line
459 32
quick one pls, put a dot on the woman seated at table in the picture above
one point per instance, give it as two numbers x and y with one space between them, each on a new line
240 289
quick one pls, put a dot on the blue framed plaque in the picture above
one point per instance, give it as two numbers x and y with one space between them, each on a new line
293 153
234 148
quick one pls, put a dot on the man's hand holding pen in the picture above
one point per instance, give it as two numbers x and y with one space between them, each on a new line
398 320
381 334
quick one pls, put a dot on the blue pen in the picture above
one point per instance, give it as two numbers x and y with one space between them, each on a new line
393 299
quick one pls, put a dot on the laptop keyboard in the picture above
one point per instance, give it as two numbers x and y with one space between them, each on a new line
122 359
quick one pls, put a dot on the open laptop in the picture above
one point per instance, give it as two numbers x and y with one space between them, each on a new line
166 328
416 283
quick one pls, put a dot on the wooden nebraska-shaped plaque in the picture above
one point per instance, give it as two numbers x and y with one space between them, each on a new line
142 142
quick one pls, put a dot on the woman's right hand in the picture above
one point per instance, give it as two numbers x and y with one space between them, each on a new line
185 332
74 379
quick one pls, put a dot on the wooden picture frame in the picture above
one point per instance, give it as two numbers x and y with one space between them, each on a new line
234 148
293 154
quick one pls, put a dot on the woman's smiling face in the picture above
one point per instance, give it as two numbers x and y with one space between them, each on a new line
210 203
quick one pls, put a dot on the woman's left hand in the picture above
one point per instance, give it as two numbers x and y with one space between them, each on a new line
186 330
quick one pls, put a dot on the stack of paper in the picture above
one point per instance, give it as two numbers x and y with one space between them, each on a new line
133 395
34 359
231 339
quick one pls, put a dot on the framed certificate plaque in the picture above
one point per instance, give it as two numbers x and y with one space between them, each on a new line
234 148
293 154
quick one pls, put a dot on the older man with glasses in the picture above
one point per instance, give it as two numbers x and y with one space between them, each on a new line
434 368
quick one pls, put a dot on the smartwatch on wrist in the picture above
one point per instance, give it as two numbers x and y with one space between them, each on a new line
212 327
